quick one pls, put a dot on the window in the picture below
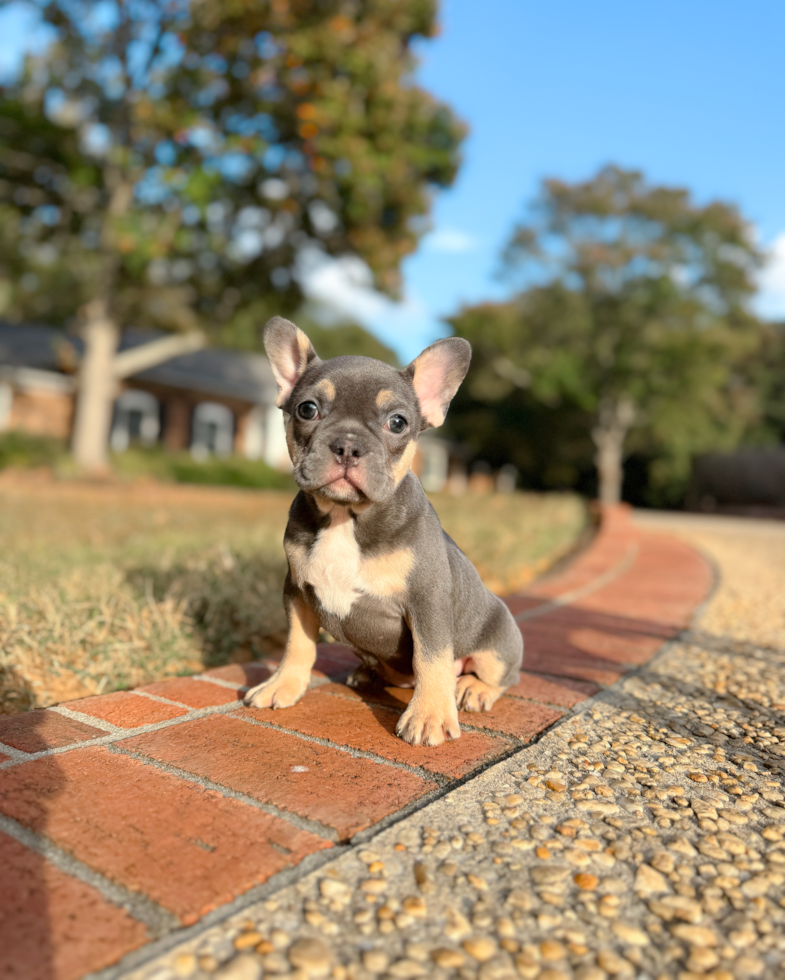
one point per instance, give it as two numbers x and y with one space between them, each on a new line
136 420
213 431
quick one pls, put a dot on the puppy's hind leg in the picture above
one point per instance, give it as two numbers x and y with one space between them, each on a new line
488 673
363 676
479 688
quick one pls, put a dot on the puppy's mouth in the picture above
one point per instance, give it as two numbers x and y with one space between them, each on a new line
344 484
342 490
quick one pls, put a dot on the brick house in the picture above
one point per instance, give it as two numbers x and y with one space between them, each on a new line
209 401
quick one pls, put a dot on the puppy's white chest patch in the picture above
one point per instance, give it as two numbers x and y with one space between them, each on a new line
333 566
339 574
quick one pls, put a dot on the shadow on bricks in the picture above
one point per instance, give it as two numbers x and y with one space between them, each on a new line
61 926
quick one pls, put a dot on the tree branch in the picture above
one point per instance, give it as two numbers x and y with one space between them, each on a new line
156 352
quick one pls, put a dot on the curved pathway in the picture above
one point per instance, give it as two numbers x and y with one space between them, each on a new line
133 822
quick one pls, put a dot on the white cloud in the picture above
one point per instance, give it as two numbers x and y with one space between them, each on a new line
450 240
771 299
343 287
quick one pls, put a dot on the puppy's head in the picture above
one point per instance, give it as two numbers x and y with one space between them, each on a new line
352 423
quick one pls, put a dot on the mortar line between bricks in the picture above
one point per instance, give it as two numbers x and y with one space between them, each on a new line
17 755
158 920
194 714
106 726
574 595
160 700
440 778
219 682
315 827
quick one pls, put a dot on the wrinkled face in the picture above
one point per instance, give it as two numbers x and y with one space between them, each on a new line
351 427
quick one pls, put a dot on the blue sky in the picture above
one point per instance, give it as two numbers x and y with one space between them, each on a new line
693 93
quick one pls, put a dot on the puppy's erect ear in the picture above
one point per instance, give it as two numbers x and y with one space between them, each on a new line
290 353
437 374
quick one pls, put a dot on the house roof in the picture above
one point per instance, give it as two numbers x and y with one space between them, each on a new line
32 346
223 373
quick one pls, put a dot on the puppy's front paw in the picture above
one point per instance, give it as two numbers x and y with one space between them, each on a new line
472 694
428 724
280 691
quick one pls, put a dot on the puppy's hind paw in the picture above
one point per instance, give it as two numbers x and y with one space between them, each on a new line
362 677
421 725
472 694
279 691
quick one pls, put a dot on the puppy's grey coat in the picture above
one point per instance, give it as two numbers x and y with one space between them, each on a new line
368 559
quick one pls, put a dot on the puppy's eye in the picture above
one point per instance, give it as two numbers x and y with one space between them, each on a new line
307 411
397 424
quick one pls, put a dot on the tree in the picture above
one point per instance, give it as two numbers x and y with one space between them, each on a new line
632 317
172 163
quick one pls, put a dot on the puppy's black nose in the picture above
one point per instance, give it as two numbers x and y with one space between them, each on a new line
348 449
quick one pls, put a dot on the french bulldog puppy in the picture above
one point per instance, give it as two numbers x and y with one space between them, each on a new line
368 559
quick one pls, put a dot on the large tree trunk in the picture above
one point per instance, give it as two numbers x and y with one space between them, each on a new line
102 367
613 423
96 389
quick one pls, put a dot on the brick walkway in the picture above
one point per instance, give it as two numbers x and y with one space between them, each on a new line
126 816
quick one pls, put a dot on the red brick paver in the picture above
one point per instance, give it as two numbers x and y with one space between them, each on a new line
347 720
187 848
37 731
53 925
217 798
195 693
126 709
301 777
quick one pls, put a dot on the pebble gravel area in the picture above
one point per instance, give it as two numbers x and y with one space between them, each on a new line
643 837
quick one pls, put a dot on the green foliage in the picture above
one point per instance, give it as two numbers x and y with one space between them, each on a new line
177 160
632 316
19 449
764 371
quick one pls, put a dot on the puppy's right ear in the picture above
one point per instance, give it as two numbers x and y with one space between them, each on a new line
290 353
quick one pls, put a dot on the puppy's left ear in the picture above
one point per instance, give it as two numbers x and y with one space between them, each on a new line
290 352
437 374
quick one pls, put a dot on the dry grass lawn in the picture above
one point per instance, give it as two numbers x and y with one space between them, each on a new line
104 587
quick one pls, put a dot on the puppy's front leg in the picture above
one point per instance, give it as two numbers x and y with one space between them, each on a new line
432 714
290 681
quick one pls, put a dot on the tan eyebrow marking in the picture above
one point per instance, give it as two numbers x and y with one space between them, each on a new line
384 396
326 388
